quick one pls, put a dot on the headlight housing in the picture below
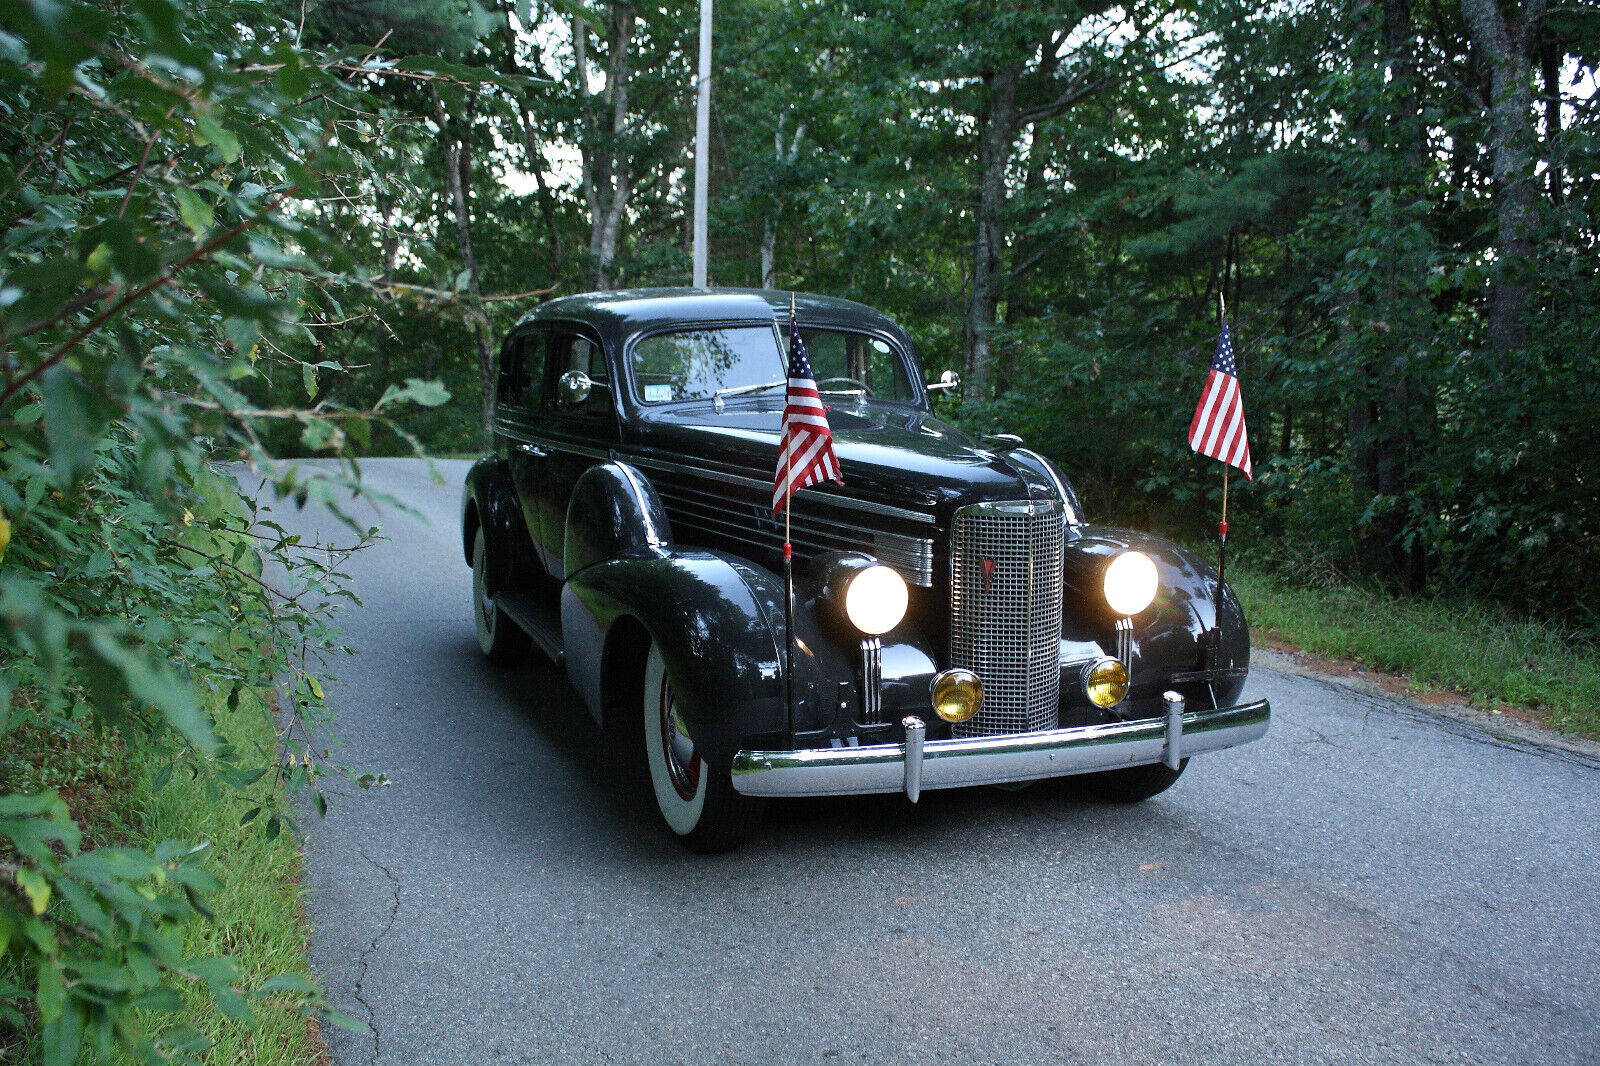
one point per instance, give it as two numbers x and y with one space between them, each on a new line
1131 583
875 600
871 597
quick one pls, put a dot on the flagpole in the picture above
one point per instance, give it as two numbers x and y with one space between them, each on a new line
788 562
1222 527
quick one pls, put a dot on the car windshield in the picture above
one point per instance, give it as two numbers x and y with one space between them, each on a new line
845 361
694 364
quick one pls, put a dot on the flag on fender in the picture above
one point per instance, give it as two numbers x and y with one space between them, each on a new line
805 452
1217 429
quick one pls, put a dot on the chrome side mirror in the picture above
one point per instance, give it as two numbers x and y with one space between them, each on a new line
573 388
948 381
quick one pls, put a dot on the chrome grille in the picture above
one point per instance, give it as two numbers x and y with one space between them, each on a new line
1005 623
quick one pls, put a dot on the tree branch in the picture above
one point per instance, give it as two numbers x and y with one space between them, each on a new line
130 297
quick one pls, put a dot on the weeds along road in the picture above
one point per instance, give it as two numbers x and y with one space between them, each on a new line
1367 884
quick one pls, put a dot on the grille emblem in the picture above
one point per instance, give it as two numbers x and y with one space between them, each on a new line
988 574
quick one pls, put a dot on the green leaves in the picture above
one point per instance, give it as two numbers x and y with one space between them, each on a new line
196 213
156 274
75 418
415 390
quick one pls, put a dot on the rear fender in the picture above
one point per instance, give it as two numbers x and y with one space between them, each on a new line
489 501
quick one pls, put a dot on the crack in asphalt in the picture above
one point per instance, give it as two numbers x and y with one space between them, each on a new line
394 911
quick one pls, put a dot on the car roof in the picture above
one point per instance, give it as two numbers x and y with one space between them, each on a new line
622 312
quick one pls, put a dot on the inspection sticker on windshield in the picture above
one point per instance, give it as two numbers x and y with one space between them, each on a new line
657 393
880 347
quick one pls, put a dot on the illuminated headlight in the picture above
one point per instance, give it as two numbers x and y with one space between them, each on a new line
875 599
1131 583
1105 682
957 694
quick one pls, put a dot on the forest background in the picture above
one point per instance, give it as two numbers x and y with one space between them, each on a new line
240 232
1397 200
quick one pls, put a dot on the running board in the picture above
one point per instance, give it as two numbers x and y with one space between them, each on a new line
540 620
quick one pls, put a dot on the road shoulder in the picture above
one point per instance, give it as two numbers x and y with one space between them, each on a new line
1507 724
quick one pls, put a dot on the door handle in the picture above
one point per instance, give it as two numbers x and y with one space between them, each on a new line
533 450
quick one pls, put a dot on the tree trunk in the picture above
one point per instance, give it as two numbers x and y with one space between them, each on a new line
1509 48
769 253
769 226
1550 54
997 131
607 164
530 142
458 169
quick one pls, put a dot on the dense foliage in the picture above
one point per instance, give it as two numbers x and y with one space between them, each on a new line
162 256
1396 199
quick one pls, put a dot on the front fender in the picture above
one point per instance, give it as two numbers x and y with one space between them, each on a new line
1170 635
718 622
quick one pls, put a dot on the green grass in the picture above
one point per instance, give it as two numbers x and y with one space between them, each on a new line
1439 646
260 909
260 917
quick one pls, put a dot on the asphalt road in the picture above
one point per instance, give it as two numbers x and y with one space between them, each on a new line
1370 883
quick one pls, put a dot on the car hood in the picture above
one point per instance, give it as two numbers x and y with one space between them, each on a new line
887 454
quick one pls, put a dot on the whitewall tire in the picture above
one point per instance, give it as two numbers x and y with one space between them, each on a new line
696 800
499 638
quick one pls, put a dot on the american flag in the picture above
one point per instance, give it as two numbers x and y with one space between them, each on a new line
806 455
1218 426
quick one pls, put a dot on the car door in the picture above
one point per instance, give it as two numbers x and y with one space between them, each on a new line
518 407
579 434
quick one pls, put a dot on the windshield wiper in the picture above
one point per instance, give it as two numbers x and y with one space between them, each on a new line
740 390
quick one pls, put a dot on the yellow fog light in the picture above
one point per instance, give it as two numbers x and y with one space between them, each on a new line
956 695
1105 682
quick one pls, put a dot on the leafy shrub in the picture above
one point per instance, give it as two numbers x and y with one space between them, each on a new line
162 252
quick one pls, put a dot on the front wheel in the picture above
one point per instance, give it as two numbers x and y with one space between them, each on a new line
1133 785
697 801
502 641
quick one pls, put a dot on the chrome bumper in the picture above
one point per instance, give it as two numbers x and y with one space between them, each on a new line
918 764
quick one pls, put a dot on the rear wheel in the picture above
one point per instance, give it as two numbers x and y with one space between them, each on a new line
697 800
503 642
1132 785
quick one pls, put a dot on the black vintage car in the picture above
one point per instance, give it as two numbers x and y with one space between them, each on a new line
955 619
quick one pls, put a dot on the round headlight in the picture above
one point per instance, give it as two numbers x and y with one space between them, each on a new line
875 600
1105 682
1131 583
957 694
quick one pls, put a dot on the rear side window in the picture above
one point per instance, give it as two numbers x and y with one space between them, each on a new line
521 382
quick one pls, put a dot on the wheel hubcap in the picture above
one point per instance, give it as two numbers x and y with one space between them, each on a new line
682 761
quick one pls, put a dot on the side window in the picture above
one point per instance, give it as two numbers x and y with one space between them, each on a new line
573 351
521 382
